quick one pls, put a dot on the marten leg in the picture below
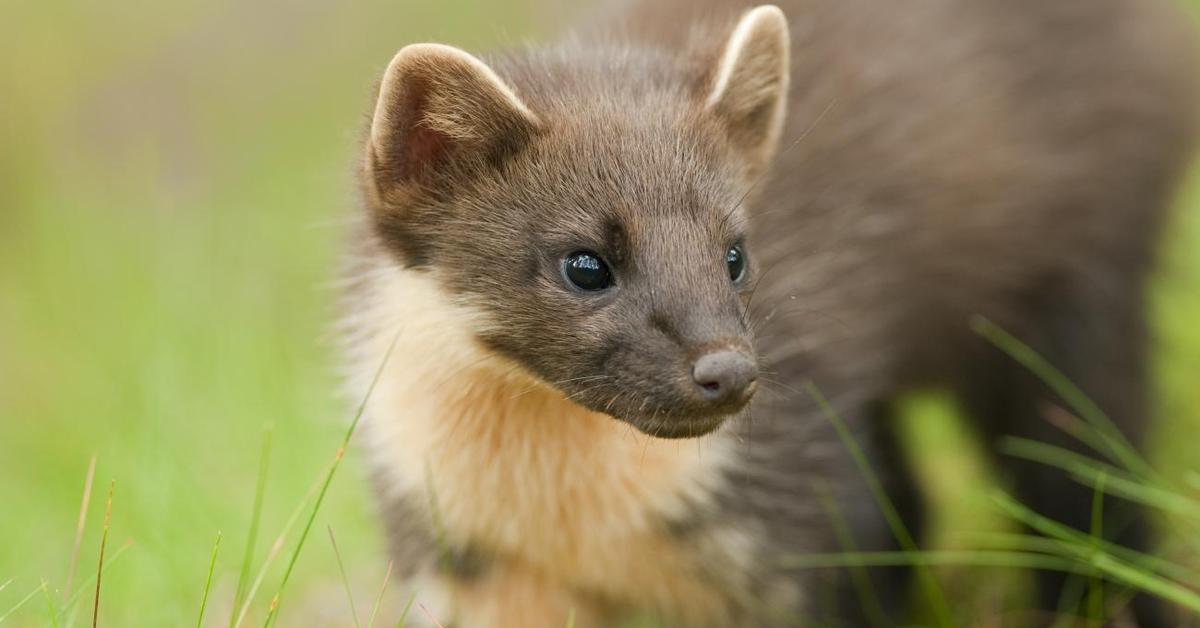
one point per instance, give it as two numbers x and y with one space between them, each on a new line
1095 334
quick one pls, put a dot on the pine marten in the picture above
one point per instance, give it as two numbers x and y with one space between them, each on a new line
611 270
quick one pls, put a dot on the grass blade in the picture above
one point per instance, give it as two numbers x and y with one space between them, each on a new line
70 606
1147 582
1059 457
23 602
407 608
1095 595
1063 539
379 598
1043 544
83 508
429 616
928 558
341 453
1117 482
212 565
239 595
345 579
1115 445
103 542
50 603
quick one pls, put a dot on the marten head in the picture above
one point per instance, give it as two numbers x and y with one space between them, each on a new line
591 207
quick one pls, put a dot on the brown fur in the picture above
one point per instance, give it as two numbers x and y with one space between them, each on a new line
957 158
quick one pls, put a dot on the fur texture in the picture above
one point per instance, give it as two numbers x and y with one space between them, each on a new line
938 160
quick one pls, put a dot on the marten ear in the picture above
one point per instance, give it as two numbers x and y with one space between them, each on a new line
748 89
440 112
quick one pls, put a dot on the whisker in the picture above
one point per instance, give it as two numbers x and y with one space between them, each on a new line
763 175
459 371
655 430
580 392
608 406
560 382
459 419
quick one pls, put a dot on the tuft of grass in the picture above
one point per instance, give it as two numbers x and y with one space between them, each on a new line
1124 474
1131 477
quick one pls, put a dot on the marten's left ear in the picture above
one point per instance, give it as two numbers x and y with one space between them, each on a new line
748 89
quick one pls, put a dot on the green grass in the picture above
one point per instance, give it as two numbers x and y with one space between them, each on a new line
173 184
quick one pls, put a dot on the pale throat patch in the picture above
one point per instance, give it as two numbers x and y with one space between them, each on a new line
512 466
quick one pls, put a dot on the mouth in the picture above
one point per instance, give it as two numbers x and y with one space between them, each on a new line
673 418
678 427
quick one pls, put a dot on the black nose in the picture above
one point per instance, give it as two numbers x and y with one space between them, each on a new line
725 375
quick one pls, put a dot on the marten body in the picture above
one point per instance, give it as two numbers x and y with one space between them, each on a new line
586 256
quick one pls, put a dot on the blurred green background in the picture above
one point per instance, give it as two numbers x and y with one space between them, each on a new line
174 180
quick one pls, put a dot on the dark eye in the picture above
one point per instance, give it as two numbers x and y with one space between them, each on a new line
735 260
586 271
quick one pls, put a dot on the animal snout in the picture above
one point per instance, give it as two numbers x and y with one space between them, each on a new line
725 376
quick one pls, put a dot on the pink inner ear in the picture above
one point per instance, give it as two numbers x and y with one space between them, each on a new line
419 148
424 149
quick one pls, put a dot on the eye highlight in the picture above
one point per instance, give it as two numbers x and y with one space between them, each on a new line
735 261
586 271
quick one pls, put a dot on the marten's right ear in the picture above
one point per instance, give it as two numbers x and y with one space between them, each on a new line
748 88
441 112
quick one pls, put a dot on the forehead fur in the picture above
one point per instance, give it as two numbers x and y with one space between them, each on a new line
621 131
590 138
